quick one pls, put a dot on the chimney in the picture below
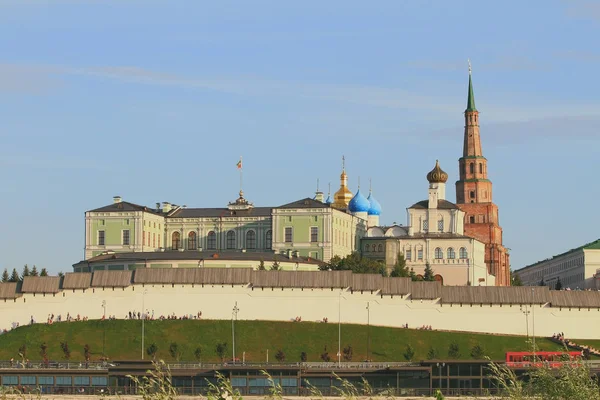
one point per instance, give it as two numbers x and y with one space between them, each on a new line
117 199
166 207
289 254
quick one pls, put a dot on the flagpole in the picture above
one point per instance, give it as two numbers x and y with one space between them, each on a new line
241 174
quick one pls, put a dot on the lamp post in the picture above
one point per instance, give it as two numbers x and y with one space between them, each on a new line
143 319
440 367
104 328
526 312
368 330
533 319
234 313
339 354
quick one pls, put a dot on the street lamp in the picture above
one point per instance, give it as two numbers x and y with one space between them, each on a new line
368 330
104 329
440 366
339 354
533 319
234 313
526 312
143 319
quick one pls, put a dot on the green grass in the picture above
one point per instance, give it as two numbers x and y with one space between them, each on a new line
123 340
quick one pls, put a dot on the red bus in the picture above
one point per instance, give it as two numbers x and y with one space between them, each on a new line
552 358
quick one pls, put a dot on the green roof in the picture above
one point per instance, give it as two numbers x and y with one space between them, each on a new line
471 99
595 245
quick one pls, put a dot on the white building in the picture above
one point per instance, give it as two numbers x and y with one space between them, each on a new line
576 269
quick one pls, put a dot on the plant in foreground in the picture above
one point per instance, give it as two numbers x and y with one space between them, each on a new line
158 385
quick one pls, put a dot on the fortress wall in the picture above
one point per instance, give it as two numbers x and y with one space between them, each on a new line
216 302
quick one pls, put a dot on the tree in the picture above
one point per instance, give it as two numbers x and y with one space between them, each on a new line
325 355
61 274
409 353
515 279
429 274
198 353
280 355
275 266
44 353
5 276
86 352
261 265
413 276
14 277
221 349
400 268
477 352
432 354
558 285
356 263
347 353
43 272
175 351
152 350
25 272
454 351
66 351
303 356
34 271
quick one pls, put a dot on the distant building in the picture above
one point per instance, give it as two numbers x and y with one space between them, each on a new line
577 269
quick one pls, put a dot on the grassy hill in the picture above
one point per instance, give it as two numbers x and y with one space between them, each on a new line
122 340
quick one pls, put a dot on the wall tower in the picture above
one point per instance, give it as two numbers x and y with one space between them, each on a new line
474 196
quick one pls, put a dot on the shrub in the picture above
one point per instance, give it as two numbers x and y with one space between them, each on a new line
221 349
347 353
477 352
152 350
198 353
409 353
280 355
303 356
454 351
432 354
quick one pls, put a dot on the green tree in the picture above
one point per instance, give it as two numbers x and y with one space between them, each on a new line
66 351
347 353
558 285
400 268
515 279
5 276
454 351
325 355
261 265
34 271
429 274
303 356
413 276
61 274
87 353
14 277
25 272
409 353
44 352
221 349
175 351
280 355
198 353
356 263
43 272
152 350
275 266
432 354
477 352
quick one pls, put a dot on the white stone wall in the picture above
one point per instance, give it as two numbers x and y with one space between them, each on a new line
216 302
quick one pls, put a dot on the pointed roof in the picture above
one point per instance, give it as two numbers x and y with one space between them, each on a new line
471 99
305 203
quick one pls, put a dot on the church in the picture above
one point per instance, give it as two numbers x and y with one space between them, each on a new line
461 241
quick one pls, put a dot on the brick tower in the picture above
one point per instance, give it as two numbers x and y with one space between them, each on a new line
474 197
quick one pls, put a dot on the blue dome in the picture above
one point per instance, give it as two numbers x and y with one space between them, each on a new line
375 208
328 201
359 203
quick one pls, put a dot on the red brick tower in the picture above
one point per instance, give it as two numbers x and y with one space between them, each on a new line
474 197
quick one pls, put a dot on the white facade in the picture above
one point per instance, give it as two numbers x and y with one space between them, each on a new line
576 269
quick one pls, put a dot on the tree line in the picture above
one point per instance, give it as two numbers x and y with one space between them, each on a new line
15 277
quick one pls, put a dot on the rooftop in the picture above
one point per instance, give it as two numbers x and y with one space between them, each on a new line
595 245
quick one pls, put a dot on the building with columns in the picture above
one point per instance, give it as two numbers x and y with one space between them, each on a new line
474 197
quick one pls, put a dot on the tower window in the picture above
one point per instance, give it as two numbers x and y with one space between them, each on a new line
471 167
472 219
472 194
480 168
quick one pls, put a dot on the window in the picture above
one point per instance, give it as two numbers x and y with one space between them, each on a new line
472 167
420 254
82 381
211 241
10 380
462 253
408 255
288 234
380 248
269 239
27 380
144 238
127 222
63 381
101 222
46 380
450 253
230 240
464 169
472 219
154 240
126 237
425 225
441 225
100 238
175 241
472 194
99 380
439 254
251 240
480 168
192 242
314 234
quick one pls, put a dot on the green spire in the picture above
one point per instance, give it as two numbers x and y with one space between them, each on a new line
471 99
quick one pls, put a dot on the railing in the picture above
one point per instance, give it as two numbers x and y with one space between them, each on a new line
56 365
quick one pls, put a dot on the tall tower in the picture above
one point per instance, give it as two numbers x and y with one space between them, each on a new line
474 197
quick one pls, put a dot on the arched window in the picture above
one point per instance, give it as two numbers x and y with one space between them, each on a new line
480 168
251 240
462 253
464 169
192 242
269 239
439 278
471 167
231 240
175 241
211 241
380 248
439 254
450 253
367 248
441 225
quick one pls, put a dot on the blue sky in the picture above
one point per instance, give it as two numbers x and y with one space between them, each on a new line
156 101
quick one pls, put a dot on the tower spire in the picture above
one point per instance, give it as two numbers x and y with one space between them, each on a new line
471 98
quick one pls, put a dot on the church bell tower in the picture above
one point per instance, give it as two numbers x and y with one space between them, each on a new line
474 197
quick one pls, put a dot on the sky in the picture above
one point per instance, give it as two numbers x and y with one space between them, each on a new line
157 100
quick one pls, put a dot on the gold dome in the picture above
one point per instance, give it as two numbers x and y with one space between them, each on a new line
342 197
437 175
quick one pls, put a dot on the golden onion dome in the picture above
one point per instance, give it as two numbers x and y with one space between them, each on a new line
437 175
